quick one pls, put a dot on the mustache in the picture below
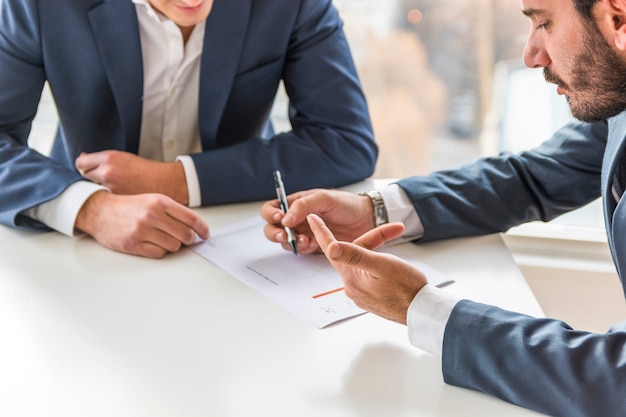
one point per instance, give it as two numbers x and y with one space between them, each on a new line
551 77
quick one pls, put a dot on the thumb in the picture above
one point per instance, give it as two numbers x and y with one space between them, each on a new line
353 255
377 237
374 263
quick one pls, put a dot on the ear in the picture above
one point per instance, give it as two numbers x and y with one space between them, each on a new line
611 18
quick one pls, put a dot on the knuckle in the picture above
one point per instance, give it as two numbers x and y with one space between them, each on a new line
175 246
188 238
127 244
354 258
107 175
107 156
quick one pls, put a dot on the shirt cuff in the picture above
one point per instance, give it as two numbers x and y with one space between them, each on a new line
60 213
400 209
427 318
193 183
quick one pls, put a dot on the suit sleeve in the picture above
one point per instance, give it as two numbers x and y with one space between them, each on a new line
331 143
497 193
540 364
27 178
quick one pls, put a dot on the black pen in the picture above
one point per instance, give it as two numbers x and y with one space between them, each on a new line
282 201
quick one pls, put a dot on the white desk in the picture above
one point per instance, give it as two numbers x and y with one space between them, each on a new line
88 332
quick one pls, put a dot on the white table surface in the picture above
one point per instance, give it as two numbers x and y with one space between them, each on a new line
86 332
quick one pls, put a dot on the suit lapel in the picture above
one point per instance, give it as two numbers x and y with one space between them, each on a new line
224 36
614 149
614 212
116 31
117 35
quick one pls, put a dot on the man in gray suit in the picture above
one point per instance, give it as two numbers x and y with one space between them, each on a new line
540 364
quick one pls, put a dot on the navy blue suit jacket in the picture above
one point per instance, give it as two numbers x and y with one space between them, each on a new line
90 53
540 364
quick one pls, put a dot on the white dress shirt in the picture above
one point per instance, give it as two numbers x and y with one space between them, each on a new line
430 309
169 124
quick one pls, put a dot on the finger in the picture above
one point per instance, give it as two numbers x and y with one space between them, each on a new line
170 235
377 237
157 241
307 245
275 233
184 224
375 263
87 162
271 212
152 251
146 249
322 233
303 203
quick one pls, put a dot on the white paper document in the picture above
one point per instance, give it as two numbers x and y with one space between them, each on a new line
306 285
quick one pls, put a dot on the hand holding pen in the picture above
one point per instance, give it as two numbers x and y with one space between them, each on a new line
284 206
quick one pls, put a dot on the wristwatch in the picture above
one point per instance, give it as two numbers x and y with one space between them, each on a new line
380 211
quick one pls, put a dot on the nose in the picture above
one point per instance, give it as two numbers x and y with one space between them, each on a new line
535 54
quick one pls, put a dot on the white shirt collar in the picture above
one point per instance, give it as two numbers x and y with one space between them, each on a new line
151 12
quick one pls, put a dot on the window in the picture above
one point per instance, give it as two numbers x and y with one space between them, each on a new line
446 84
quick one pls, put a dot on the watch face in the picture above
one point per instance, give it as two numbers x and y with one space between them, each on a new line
381 215
380 211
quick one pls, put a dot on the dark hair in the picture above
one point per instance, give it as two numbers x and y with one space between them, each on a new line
584 7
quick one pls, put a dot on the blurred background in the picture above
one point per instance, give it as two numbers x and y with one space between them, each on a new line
446 84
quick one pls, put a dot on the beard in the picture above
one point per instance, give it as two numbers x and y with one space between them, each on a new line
598 81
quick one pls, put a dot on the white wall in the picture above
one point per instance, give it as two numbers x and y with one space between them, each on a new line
573 280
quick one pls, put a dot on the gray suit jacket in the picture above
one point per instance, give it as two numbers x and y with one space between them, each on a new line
540 364
90 53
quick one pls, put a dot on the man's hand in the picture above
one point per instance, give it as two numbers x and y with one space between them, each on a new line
348 215
149 225
127 173
381 283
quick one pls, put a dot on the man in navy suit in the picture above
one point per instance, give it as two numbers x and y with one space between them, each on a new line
164 105
540 364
